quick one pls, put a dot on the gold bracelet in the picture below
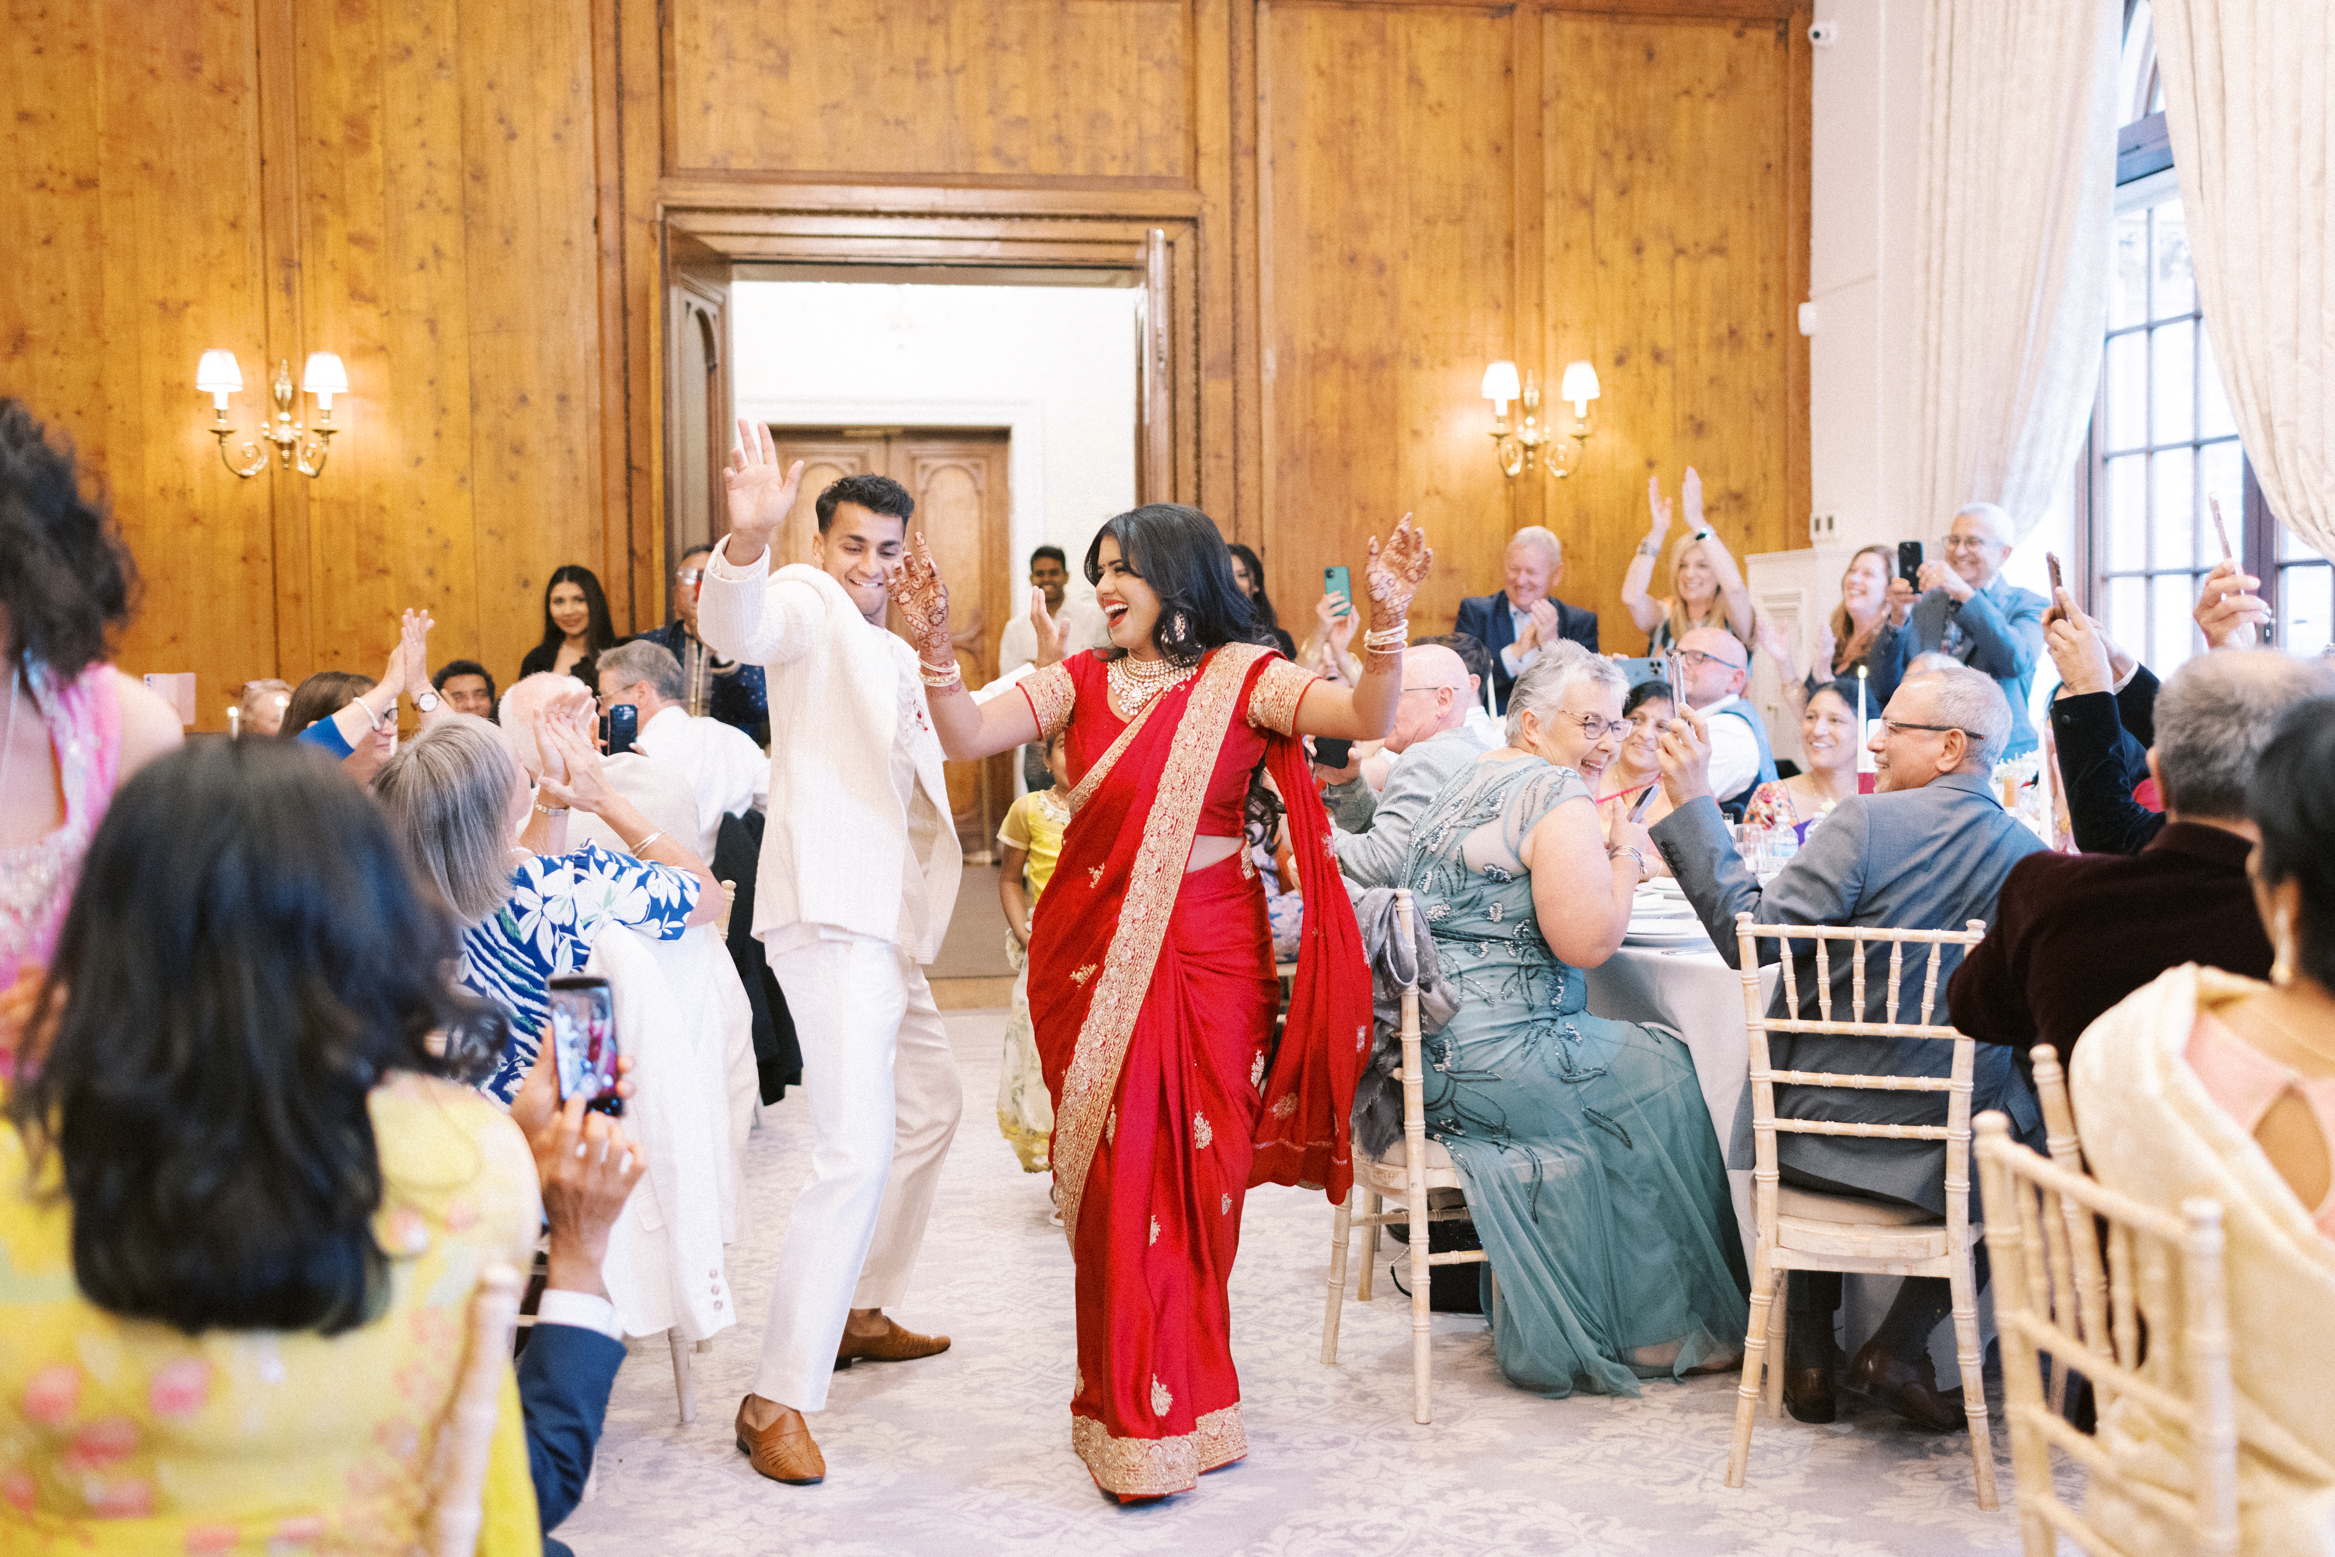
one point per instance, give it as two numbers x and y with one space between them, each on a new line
551 810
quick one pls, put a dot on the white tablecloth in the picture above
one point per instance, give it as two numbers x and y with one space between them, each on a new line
1697 996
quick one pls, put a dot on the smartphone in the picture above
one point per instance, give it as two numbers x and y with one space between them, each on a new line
1329 751
2051 562
618 728
2220 529
1339 582
1645 799
1675 674
1909 562
583 1041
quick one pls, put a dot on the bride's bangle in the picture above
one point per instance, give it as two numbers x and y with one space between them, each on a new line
1394 637
939 675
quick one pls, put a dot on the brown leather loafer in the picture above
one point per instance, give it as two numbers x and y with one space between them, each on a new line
783 1451
893 1345
1808 1394
1908 1388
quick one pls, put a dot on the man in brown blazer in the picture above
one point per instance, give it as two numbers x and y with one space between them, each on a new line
2074 934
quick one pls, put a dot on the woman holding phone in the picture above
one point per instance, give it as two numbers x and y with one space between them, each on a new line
530 907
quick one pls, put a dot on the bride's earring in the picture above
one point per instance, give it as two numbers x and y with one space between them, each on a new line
1179 628
2282 951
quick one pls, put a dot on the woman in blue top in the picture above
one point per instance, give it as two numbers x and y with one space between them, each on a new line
1584 1145
531 907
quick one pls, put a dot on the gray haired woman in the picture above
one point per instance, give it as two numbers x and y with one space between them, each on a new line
531 908
1586 1150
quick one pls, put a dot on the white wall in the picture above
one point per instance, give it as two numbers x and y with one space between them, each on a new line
1053 365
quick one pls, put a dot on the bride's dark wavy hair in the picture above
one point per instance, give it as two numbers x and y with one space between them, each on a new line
1181 554
244 960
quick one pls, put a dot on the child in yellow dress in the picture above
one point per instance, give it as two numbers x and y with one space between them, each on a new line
1032 835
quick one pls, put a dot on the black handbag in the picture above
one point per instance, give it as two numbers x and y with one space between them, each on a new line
1451 1289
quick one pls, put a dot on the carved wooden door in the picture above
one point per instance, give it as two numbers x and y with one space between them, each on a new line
958 479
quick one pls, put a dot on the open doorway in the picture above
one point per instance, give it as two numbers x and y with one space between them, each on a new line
1010 412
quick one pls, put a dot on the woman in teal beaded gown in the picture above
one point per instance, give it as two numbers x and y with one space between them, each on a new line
1586 1150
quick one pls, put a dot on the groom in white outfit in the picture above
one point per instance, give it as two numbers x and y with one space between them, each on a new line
857 878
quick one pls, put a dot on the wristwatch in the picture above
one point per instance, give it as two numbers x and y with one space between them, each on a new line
1649 547
426 701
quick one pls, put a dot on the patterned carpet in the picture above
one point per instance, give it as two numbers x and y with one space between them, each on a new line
969 1453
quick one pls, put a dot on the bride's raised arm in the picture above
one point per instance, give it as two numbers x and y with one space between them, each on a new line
1366 711
967 729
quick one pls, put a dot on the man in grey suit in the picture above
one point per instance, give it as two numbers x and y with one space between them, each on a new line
1430 742
1968 610
1929 851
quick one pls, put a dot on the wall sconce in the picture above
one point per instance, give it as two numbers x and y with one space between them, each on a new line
1559 452
219 375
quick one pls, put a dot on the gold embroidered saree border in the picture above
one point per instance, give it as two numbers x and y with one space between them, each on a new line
1144 909
1154 1467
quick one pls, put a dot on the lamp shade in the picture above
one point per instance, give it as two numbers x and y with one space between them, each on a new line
218 374
1501 384
324 374
1580 385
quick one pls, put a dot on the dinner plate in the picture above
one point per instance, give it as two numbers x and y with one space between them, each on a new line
1664 932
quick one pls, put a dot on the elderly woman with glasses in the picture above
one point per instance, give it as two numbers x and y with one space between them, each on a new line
1587 1153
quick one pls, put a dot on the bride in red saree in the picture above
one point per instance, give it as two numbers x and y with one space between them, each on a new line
1152 988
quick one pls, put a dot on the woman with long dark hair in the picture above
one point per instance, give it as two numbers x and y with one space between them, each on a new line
576 627
1248 575
245 1205
1152 990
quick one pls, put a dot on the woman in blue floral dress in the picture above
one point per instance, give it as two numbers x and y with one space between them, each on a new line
532 909
1585 1147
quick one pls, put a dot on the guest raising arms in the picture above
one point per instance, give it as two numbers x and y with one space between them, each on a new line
576 627
1152 988
1706 587
75 726
1828 740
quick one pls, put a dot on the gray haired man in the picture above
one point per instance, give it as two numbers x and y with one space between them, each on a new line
1928 851
727 772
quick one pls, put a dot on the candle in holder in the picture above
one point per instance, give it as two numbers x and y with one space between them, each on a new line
234 722
1866 770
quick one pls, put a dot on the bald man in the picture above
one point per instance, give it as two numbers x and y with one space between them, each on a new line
1714 666
1431 742
1967 609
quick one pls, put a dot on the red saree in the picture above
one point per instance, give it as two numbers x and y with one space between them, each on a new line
1152 994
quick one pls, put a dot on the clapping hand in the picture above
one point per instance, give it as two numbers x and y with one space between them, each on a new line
572 775
1775 646
1539 628
1047 630
1685 749
2229 613
760 497
1394 573
1690 498
1659 506
923 598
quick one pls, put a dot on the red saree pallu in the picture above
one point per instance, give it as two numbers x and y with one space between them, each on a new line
1152 995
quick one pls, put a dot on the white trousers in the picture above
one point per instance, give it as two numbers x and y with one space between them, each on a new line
884 1098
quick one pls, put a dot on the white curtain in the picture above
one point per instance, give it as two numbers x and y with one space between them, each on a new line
2248 105
2018 177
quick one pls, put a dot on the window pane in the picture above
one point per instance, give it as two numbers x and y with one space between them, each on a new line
2306 599
2172 383
2128 277
2126 523
2213 406
2172 515
2128 616
2127 387
2222 467
2172 635
2174 291
2292 548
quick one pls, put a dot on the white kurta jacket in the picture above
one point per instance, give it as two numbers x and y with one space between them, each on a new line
835 847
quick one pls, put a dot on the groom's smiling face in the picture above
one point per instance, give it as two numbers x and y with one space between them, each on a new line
861 550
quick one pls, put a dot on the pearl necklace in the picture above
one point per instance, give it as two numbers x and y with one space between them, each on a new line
1134 683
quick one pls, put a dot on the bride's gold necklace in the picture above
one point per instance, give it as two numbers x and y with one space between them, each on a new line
1134 683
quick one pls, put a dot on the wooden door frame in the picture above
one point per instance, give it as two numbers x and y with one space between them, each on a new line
1153 241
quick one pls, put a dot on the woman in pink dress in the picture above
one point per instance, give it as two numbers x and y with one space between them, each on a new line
71 726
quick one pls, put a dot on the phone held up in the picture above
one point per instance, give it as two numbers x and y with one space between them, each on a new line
583 1042
1909 562
1340 582
619 727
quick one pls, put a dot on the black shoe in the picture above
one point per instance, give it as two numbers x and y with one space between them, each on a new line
1808 1394
1908 1388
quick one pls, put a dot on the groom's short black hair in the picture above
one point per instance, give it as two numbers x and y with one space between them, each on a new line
876 494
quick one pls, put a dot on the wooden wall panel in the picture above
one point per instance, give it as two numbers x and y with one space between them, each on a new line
1094 89
1387 200
1676 239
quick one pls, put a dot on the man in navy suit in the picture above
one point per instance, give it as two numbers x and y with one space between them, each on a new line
1514 624
575 1346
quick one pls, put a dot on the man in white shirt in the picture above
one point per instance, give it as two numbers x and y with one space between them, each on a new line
1714 666
857 878
728 773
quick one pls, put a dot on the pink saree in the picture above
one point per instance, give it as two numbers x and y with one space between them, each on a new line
1152 993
